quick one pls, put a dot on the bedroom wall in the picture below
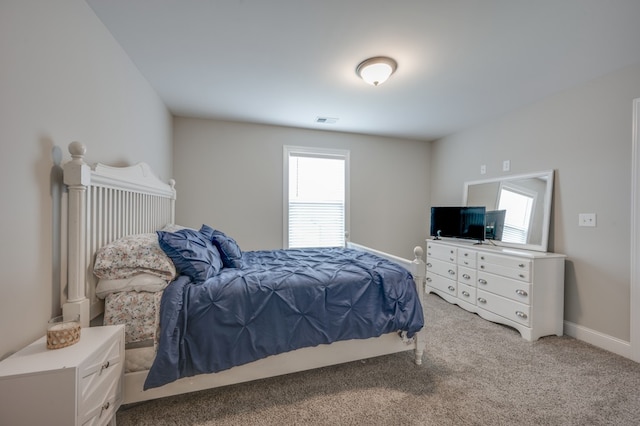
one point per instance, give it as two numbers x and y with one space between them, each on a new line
584 134
63 78
233 173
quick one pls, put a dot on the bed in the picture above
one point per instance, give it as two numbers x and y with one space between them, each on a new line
107 205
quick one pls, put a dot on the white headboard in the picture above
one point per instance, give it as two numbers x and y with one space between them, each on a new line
104 204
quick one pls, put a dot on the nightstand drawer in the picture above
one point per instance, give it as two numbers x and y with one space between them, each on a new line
100 382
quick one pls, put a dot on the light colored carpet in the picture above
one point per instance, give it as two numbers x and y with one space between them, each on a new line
474 373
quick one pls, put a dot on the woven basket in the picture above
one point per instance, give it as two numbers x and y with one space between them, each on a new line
61 334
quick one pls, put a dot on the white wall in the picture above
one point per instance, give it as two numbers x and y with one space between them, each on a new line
63 78
229 175
585 135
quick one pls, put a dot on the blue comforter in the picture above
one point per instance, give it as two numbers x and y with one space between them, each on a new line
280 301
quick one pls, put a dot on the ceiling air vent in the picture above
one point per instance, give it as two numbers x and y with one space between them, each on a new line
326 120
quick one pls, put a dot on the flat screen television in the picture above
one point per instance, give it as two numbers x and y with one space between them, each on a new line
458 222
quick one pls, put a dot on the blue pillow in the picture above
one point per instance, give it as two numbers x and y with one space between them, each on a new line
229 250
191 253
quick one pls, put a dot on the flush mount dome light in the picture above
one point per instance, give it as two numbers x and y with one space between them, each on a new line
376 71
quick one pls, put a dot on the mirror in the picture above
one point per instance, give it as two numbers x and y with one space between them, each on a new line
518 208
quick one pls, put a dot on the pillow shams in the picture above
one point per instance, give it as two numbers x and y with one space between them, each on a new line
192 254
141 282
228 247
132 255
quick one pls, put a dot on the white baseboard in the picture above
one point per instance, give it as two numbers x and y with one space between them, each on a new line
601 340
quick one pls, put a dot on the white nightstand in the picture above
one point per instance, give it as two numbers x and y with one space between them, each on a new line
77 385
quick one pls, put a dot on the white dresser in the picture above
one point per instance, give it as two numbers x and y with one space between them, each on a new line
77 385
519 288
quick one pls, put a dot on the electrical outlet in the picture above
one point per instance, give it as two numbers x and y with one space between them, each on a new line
483 169
506 165
587 219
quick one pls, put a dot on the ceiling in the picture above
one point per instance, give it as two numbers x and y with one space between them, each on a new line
288 62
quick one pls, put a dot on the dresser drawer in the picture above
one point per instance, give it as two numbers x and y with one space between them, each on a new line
442 252
504 307
441 283
443 268
512 289
467 275
467 293
512 267
506 261
467 258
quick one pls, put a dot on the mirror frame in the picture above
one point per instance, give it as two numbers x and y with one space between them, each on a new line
548 196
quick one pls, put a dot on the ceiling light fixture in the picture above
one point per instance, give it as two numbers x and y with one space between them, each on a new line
376 71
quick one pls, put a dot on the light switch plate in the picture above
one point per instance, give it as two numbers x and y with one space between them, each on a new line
506 165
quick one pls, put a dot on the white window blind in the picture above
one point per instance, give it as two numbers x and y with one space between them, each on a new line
316 208
519 207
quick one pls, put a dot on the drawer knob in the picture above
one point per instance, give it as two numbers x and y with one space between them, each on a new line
429 265
452 272
451 259
521 275
466 254
105 407
482 257
428 279
482 281
465 293
481 266
482 300
451 288
521 314
521 292
466 276
521 265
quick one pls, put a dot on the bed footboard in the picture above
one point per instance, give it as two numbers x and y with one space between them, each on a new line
418 269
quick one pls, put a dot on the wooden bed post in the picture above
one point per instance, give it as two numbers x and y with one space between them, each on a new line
77 176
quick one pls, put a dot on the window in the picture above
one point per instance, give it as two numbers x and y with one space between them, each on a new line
315 197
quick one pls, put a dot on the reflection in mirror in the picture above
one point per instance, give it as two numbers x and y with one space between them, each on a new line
518 208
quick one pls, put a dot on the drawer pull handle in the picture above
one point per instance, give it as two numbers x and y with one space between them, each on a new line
105 365
428 279
451 259
521 265
481 281
465 262
428 265
466 254
481 266
466 276
451 288
482 300
482 257
452 272
451 251
521 292
105 407
521 314
521 275
465 293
